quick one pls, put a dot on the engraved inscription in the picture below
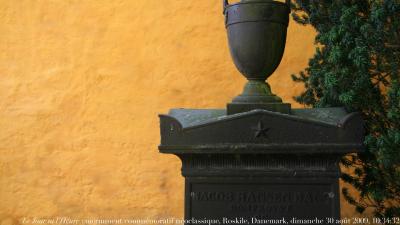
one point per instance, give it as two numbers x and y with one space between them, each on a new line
263 202
264 197
212 196
266 200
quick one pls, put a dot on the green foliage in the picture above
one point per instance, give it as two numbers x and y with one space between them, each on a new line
356 66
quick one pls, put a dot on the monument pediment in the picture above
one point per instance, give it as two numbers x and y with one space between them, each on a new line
320 130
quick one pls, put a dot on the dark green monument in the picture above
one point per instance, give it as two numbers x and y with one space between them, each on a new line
258 161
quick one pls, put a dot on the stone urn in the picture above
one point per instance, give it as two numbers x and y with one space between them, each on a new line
257 36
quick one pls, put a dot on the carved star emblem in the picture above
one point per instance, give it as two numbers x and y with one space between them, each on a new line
261 131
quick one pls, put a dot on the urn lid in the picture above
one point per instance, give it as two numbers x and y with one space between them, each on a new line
257 11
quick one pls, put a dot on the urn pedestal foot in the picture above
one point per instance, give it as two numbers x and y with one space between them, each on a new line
257 94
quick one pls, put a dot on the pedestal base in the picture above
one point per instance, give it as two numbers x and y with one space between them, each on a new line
261 167
260 189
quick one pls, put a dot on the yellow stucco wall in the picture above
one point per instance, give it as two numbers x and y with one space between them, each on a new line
81 84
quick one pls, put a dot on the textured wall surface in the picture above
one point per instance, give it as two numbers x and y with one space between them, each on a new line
81 84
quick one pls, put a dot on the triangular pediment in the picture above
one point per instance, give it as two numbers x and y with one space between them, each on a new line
183 127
